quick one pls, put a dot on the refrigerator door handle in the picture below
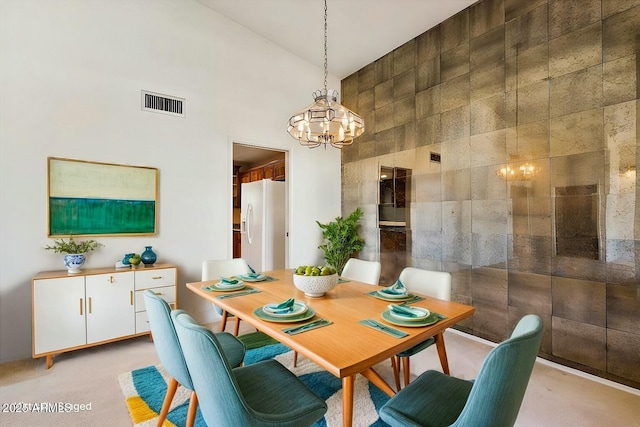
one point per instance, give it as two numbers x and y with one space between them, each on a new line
248 221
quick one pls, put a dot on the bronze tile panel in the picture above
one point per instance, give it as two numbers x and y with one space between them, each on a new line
405 136
454 93
428 45
455 123
428 73
622 268
620 79
428 102
610 7
567 16
428 244
385 143
532 141
575 51
488 114
428 130
404 110
367 77
489 217
487 81
484 16
490 250
577 133
384 68
533 65
456 185
487 49
456 247
349 89
578 268
404 84
517 313
404 57
581 300
455 154
384 118
623 308
383 93
489 285
490 321
454 31
533 103
526 31
428 196
488 149
454 62
485 185
577 91
366 102
620 34
516 8
579 342
530 291
623 355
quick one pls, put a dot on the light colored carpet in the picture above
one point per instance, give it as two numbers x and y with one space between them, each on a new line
554 397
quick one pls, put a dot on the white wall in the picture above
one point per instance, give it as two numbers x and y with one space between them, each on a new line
71 72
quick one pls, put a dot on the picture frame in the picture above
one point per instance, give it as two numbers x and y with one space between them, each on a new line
88 198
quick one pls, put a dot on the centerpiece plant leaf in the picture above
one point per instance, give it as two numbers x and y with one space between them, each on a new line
341 239
71 246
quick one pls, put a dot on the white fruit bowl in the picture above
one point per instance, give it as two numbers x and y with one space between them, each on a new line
315 286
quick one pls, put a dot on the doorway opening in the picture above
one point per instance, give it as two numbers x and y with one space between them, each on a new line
252 163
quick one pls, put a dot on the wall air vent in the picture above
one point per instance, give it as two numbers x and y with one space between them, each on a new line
164 104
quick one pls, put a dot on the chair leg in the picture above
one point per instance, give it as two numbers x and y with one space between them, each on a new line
193 407
442 352
166 404
236 329
223 321
407 370
295 359
395 364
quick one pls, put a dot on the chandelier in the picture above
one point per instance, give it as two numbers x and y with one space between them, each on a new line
325 121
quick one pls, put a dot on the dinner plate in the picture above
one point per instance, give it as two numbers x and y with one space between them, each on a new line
421 314
260 314
392 295
250 278
429 320
388 297
225 287
271 310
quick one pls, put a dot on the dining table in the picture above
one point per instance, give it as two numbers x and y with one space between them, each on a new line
357 333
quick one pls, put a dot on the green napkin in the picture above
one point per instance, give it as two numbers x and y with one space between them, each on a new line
285 304
402 310
397 288
228 281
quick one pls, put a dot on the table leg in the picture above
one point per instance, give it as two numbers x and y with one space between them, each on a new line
378 381
347 400
442 352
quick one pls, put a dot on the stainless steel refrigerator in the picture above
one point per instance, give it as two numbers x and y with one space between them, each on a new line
262 224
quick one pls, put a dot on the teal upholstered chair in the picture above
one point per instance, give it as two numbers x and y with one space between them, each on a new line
214 269
436 284
169 352
492 400
261 394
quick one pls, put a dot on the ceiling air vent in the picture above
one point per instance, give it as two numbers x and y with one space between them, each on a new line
164 104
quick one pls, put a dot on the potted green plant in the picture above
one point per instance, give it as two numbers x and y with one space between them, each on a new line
341 239
74 251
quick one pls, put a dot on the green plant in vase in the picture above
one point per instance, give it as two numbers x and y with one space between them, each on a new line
74 251
341 239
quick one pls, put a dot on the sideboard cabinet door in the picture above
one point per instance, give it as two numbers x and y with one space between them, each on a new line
110 309
58 314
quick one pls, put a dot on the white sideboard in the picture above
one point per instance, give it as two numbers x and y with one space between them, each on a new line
95 306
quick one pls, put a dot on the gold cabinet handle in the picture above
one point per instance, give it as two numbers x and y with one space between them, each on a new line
81 304
110 279
157 293
89 306
131 297
156 277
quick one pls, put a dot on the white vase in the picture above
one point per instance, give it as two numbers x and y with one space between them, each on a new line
73 262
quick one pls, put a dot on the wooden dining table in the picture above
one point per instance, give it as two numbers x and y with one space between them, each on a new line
345 347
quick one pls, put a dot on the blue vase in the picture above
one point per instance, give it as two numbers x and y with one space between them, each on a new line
148 257
126 258
73 262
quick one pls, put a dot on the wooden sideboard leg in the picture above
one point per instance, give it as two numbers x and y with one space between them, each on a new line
49 360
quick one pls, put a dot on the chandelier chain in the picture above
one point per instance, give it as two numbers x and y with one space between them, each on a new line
325 46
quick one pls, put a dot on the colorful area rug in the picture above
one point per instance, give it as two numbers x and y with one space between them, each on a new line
144 391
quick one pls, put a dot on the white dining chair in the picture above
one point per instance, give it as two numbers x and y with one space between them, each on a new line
215 269
436 284
362 271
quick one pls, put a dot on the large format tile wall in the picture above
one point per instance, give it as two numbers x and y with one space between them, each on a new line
551 84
